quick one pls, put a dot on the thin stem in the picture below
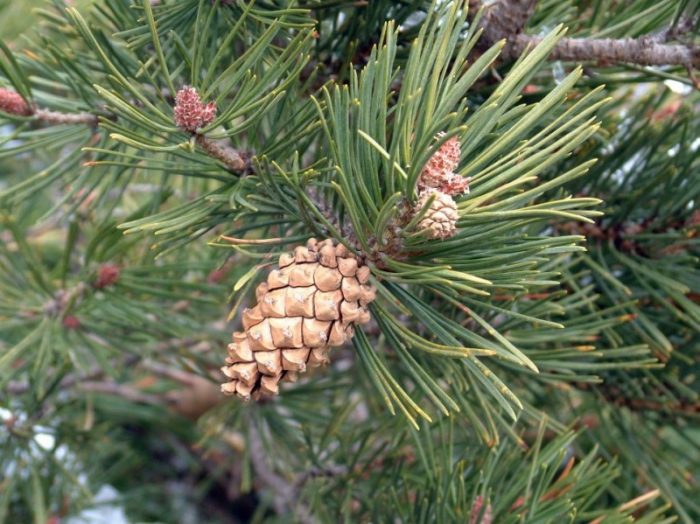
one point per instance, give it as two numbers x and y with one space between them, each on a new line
234 160
56 118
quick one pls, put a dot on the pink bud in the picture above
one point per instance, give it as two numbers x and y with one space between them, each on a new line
438 171
13 104
71 322
479 514
107 275
190 112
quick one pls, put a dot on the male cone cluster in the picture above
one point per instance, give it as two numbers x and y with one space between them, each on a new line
439 182
190 113
307 306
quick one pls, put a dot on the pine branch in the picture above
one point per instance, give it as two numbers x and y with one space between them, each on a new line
506 19
645 51
503 19
192 119
326 209
617 396
679 408
12 103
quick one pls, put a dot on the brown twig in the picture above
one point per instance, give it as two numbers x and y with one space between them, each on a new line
506 19
16 387
644 51
55 117
616 396
503 19
678 407
234 160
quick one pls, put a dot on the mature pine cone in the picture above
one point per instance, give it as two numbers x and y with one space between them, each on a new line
440 219
307 306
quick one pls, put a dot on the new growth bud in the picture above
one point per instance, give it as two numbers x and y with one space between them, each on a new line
190 112
13 104
438 172
107 275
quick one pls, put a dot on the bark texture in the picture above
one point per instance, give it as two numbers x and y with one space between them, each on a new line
506 19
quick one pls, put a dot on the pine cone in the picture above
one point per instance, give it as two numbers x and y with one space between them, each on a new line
307 306
440 219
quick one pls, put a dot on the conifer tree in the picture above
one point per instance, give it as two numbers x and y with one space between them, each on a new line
340 261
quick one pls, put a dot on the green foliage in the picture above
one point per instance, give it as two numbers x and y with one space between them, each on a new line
539 366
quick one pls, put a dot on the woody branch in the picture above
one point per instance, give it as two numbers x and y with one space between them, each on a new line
506 19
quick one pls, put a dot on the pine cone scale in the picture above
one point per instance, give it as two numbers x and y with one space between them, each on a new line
295 359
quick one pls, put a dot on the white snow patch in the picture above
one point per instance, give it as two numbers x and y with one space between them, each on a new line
5 414
45 440
678 87
105 509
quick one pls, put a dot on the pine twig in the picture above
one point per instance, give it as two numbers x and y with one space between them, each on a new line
12 103
56 118
503 19
676 407
344 228
644 51
16 387
506 19
234 160
191 115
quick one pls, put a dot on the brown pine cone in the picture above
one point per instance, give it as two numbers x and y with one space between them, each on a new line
307 306
440 219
